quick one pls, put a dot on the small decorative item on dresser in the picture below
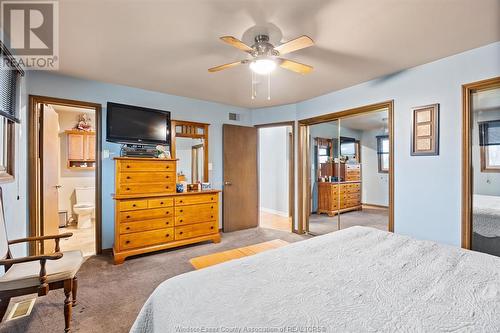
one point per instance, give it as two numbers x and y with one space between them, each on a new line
163 152
425 130
205 186
192 187
179 188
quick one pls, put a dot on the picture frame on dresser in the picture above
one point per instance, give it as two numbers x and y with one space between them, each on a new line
425 130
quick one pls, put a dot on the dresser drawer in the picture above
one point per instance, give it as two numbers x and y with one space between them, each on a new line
146 214
160 202
146 238
192 199
196 213
147 177
194 230
126 228
126 205
157 165
146 188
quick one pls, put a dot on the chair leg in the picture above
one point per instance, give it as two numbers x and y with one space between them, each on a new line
75 289
4 304
68 286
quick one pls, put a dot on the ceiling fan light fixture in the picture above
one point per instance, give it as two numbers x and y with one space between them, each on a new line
263 66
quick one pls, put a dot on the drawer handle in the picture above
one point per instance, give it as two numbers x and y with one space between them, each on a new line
128 228
128 177
181 211
212 198
128 216
167 235
167 223
211 216
167 177
127 242
166 187
134 205
180 233
180 220
212 207
128 188
167 212
180 201
211 227
161 203
168 167
128 166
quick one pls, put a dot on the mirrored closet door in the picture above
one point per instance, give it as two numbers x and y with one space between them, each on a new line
485 144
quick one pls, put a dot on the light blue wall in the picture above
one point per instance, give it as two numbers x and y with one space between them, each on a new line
182 108
427 189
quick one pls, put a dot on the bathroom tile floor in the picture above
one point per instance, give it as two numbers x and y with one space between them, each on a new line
82 239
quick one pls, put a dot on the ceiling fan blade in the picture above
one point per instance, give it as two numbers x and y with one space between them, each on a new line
296 66
233 41
295 44
225 66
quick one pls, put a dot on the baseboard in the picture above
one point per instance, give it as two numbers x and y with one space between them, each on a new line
374 205
274 211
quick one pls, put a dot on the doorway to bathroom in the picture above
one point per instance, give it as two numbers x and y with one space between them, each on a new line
64 174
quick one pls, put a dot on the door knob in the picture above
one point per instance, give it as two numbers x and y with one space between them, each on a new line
228 183
58 186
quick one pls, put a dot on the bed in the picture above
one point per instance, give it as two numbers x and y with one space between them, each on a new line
355 280
486 224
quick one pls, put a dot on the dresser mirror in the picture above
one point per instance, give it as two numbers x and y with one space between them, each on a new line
190 147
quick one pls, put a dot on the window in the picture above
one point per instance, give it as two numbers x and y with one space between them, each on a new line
9 80
323 155
383 153
489 142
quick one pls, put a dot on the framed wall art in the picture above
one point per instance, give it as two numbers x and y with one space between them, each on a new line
425 130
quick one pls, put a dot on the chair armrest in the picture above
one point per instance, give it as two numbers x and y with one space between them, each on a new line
9 262
39 238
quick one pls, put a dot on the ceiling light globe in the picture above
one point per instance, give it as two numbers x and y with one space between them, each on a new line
263 66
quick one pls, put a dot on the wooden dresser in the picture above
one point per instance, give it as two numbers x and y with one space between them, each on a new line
151 216
340 197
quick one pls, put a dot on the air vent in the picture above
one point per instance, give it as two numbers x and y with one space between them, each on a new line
234 116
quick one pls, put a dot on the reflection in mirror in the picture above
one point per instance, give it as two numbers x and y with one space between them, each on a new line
485 133
190 153
324 159
350 172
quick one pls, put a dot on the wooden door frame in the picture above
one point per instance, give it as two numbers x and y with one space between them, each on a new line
35 191
291 168
467 176
305 163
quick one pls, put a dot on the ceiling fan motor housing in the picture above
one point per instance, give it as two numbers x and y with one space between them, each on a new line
262 47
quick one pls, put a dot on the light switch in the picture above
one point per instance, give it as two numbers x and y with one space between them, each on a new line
105 153
210 168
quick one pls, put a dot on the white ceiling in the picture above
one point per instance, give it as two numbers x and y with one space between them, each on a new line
486 100
168 46
366 122
64 108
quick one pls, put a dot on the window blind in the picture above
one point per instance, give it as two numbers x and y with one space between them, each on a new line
9 80
489 133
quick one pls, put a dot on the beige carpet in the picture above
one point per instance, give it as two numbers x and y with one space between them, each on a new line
110 297
220 257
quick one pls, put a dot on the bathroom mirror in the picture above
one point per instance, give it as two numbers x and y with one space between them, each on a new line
190 147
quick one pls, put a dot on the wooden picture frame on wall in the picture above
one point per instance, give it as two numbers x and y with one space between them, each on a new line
425 130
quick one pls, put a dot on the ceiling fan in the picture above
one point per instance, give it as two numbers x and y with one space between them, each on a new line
265 56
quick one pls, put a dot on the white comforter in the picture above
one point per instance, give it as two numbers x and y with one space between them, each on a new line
356 280
486 215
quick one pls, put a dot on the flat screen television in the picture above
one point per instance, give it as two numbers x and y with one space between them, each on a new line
128 124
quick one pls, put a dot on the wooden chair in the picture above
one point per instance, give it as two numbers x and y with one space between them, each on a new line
38 274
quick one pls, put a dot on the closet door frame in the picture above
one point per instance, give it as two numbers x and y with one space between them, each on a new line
467 186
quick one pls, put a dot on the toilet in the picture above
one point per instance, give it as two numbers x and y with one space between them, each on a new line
84 207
